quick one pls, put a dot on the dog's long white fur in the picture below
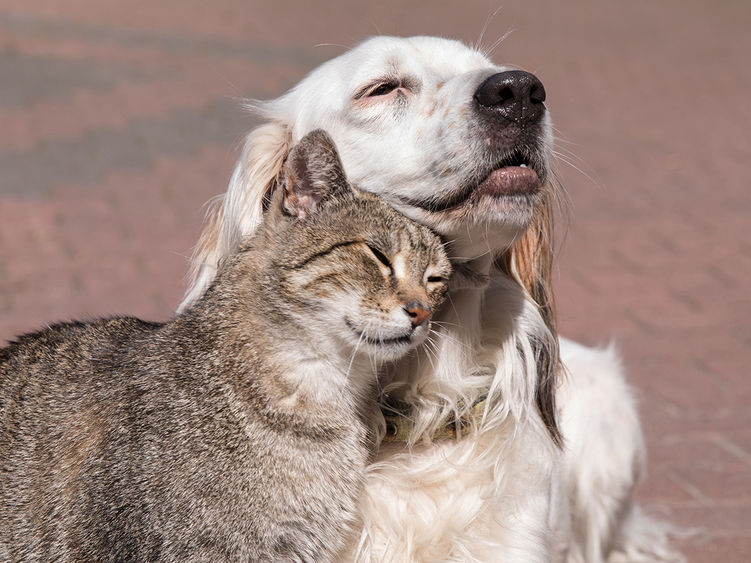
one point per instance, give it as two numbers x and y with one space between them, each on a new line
504 491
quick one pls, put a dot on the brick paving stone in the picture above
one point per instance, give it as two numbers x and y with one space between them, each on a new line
118 120
730 549
717 484
662 487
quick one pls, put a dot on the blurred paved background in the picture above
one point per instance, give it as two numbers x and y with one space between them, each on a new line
118 120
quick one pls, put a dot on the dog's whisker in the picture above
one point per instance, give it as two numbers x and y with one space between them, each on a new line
478 44
331 45
489 52
566 161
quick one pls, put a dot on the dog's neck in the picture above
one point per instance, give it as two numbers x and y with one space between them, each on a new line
471 274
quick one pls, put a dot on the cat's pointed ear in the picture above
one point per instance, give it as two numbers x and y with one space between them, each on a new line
313 174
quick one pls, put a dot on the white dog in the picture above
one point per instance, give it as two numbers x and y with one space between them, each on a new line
540 462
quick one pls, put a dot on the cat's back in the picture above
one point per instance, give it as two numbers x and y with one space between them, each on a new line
57 389
66 335
52 371
69 350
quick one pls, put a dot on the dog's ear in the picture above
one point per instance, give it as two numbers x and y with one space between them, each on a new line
530 262
314 174
239 211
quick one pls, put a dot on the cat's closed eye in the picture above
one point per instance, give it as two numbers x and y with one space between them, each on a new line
380 256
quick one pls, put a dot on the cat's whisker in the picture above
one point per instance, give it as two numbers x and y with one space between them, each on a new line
431 351
376 374
447 334
434 341
452 339
431 354
444 323
453 306
352 361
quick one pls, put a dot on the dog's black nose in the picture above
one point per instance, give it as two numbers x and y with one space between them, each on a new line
515 95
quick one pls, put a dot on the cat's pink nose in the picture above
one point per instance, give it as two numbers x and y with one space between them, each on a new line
417 312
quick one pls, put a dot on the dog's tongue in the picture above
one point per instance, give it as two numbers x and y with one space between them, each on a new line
511 180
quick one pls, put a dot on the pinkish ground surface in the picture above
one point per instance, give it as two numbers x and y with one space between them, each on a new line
118 120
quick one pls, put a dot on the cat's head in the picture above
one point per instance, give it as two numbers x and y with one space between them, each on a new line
350 266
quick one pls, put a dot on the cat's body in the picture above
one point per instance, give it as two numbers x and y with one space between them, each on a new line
239 431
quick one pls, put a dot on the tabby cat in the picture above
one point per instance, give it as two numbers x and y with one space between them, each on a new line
238 431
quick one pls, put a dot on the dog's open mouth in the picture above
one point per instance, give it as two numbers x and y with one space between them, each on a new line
516 174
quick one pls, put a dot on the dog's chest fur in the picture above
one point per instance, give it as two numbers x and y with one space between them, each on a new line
490 493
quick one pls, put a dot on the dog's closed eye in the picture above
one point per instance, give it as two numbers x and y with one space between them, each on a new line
387 87
377 88
382 89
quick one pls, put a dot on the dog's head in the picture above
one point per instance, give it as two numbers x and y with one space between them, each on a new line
432 126
436 129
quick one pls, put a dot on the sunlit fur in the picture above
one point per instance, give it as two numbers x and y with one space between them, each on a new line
239 430
504 491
